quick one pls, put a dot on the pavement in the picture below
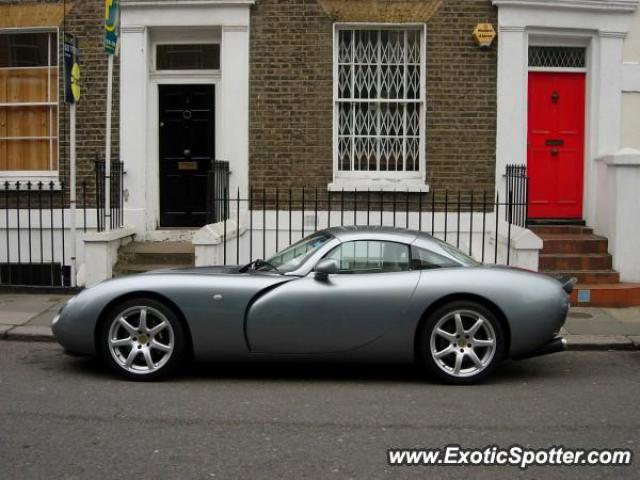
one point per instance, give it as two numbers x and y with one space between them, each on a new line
28 317
69 418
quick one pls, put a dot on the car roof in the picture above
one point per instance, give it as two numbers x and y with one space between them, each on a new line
394 234
350 233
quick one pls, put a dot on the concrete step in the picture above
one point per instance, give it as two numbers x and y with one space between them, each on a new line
568 243
561 229
158 247
569 261
133 269
163 253
593 277
615 295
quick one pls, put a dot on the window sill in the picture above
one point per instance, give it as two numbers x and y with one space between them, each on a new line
378 184
10 180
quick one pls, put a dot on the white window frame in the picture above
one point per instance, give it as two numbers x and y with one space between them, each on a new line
546 42
35 176
173 36
380 180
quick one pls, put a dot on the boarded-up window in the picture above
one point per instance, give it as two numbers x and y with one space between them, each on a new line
28 101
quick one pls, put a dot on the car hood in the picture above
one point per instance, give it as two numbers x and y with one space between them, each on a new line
226 270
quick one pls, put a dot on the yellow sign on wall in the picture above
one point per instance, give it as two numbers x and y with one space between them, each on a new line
484 35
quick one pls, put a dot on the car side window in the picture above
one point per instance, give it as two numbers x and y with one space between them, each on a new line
423 259
369 256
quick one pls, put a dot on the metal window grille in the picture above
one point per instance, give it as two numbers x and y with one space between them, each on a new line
379 100
557 57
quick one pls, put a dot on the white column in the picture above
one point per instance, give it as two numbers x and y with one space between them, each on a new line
133 124
605 125
610 92
511 146
234 108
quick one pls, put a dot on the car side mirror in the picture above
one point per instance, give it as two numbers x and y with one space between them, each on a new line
325 267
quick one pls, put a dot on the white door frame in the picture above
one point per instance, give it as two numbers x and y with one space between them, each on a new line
145 24
600 27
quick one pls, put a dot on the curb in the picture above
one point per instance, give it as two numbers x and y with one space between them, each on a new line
27 334
601 342
575 343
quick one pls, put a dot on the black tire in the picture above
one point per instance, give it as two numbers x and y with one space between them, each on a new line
441 368
156 312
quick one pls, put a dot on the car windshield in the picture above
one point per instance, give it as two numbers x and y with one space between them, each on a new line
456 253
291 258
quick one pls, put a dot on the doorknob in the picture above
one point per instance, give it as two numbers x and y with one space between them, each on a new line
187 152
555 96
555 151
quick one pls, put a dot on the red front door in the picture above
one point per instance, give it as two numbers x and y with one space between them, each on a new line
555 144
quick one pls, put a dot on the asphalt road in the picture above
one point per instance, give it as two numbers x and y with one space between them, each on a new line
62 417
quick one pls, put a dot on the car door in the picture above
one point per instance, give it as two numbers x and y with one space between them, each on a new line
349 309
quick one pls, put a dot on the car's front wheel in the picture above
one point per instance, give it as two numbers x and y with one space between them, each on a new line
462 342
142 339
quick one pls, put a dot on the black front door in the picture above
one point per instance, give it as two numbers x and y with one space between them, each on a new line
187 149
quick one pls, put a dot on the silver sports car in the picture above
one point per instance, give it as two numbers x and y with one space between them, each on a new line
351 294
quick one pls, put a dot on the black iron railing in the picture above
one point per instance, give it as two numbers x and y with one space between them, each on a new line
34 250
517 184
115 217
217 185
274 219
35 220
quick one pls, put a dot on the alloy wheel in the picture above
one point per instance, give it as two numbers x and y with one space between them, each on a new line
463 343
141 340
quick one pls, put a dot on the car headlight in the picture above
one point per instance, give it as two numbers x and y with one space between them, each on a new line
55 319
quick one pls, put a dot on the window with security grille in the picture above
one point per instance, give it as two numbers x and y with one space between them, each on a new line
557 57
380 99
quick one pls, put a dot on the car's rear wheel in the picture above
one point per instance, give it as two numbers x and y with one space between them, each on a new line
142 339
462 342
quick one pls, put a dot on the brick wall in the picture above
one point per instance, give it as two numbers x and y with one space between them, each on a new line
85 20
291 90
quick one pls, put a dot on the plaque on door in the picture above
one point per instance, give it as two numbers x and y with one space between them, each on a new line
187 165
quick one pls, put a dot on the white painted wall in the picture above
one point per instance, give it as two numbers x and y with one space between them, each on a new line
631 86
617 210
55 218
101 254
43 244
632 42
631 120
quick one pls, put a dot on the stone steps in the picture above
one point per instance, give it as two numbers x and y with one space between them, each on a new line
611 295
591 277
568 261
574 243
572 250
561 229
139 257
